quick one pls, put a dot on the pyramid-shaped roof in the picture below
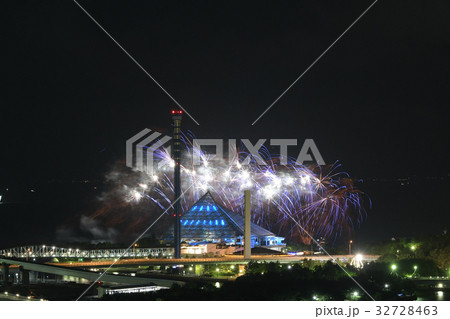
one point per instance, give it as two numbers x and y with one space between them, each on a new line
206 220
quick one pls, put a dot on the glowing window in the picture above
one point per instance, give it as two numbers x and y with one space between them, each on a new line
201 208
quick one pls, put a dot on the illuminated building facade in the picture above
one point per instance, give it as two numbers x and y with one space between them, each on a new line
208 222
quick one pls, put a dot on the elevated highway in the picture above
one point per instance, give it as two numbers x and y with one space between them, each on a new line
44 251
89 275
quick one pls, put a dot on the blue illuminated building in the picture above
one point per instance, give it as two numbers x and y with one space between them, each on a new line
207 221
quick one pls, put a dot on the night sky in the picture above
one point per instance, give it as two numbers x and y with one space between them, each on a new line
377 102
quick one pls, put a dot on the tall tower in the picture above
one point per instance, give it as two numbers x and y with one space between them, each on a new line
176 156
247 225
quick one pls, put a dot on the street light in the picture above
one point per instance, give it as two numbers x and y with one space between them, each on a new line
393 268
415 269
350 247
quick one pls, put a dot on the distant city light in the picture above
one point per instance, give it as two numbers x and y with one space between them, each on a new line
440 285
393 266
415 267
355 294
413 247
440 293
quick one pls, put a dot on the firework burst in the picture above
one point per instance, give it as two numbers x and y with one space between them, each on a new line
322 200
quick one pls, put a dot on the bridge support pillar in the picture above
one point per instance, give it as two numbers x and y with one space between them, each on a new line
25 276
5 274
100 292
241 269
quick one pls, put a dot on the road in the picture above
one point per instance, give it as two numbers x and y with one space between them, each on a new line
230 259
